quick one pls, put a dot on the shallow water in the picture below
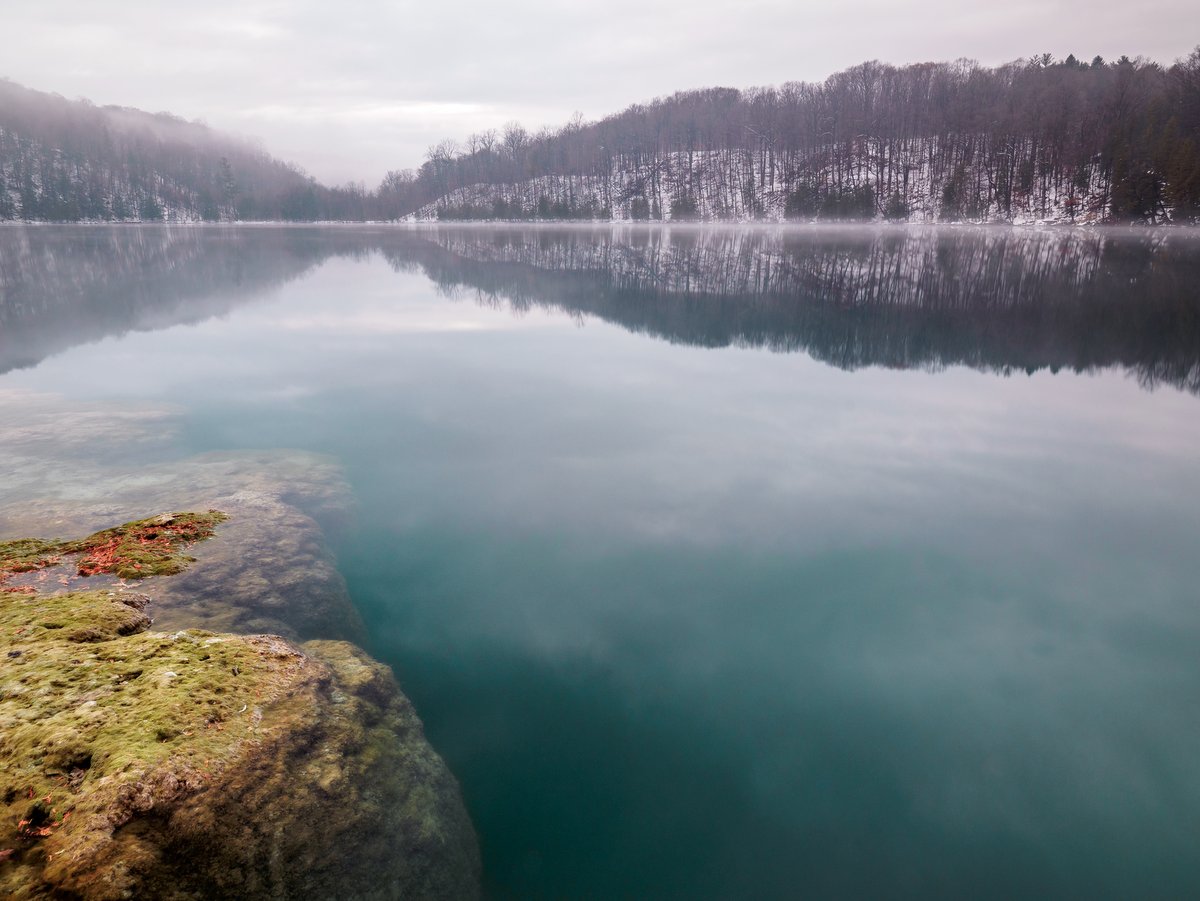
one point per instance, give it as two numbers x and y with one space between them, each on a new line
718 563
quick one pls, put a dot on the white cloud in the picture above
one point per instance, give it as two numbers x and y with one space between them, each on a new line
351 91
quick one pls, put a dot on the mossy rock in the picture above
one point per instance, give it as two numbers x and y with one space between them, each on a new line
199 765
135 550
27 555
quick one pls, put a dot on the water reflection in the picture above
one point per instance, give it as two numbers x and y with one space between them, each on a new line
698 623
994 299
999 300
65 286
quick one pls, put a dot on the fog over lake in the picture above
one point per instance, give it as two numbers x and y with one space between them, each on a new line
749 562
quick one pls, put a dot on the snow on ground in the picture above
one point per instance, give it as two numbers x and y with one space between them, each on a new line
741 185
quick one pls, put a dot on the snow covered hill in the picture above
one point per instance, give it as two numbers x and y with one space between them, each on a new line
917 181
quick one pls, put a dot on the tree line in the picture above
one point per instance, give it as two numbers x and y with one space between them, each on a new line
64 160
1040 138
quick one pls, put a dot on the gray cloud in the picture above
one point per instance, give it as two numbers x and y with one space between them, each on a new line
352 91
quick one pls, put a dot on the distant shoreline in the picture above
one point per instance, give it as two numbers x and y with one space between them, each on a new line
1130 228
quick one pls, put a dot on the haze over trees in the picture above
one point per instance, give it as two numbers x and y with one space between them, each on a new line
1038 139
63 160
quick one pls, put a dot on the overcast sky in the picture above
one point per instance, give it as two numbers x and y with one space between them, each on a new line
349 90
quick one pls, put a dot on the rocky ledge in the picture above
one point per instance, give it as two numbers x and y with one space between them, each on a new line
194 764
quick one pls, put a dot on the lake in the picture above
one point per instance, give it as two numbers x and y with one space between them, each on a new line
719 562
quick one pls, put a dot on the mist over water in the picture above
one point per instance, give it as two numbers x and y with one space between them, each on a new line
722 563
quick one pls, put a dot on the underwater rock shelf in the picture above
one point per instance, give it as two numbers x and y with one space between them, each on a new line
136 763
135 550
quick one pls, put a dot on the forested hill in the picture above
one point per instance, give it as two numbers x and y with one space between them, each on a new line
64 160
1039 139
1034 140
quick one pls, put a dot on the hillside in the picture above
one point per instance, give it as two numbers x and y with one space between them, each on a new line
1033 140
69 160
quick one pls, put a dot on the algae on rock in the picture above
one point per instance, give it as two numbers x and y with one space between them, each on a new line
146 764
135 550
202 765
271 571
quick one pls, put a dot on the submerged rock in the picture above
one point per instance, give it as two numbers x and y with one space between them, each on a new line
136 550
199 765
191 762
270 569
195 764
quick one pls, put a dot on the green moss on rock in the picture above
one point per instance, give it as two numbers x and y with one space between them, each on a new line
27 555
145 764
135 550
201 765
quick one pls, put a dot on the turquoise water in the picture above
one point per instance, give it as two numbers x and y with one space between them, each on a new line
723 563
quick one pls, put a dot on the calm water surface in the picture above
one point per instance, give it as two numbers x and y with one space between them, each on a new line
746 563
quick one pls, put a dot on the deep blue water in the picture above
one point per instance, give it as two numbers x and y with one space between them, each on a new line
718 563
